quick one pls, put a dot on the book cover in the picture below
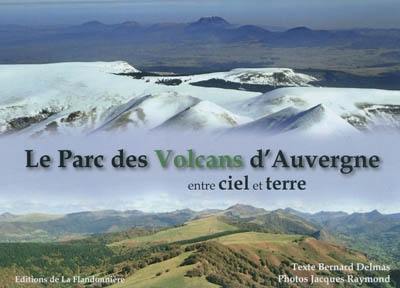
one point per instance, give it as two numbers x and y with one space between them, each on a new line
199 144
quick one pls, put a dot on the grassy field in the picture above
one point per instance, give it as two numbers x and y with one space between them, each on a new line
165 274
255 237
278 247
269 252
190 230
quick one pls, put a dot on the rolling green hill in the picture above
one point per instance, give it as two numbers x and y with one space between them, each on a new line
277 221
168 273
246 259
374 233
239 247
193 229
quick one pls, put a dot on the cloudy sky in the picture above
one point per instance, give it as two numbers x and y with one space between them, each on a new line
281 13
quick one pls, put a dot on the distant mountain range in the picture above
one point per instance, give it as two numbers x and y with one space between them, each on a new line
210 29
32 227
371 229
217 44
106 221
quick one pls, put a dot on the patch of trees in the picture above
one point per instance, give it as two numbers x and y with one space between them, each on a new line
220 83
49 259
138 75
82 257
226 267
273 223
395 276
169 82
122 235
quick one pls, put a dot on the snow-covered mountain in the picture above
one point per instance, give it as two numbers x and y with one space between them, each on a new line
317 120
365 109
71 98
204 116
148 111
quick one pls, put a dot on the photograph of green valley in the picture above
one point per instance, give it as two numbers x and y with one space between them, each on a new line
92 90
241 246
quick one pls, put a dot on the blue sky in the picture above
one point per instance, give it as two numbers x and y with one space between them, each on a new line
286 13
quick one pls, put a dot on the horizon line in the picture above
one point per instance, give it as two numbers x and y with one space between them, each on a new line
278 28
201 210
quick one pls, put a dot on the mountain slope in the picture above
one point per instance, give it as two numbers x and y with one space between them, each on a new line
190 230
365 109
319 217
317 120
242 246
72 98
246 259
168 273
76 98
372 232
147 112
203 116
243 211
85 223
277 221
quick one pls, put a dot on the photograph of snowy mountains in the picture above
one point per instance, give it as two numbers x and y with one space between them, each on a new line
205 75
317 81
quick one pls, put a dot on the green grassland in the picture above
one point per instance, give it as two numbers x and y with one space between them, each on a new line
292 248
243 259
206 252
168 273
193 229
254 238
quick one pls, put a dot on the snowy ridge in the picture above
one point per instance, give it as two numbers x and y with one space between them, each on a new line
149 111
62 88
363 108
317 120
204 116
261 76
270 76
75 98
